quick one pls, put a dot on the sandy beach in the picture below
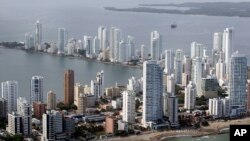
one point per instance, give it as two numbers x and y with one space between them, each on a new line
213 128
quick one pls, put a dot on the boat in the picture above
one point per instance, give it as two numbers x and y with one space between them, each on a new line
173 25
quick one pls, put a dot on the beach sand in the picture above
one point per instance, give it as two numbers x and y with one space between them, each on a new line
213 128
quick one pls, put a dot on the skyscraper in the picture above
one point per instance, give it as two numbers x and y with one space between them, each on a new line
24 110
131 48
62 40
123 52
51 100
197 71
228 47
128 109
96 45
190 92
117 40
88 45
68 87
29 41
144 52
52 125
14 123
237 83
186 75
152 92
178 67
81 104
156 45
197 50
36 89
173 110
100 80
103 37
217 41
169 62
38 33
3 108
10 93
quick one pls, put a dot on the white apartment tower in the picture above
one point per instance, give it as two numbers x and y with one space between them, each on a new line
128 109
38 33
131 48
237 83
14 123
24 110
10 93
103 37
169 62
156 45
217 41
152 92
178 67
52 124
62 40
228 47
197 72
88 45
190 93
51 100
36 89
197 50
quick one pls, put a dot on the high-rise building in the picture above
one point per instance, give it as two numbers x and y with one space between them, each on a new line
96 45
219 107
10 93
110 125
217 41
178 67
152 92
144 53
128 108
171 85
39 109
24 110
173 110
228 47
156 45
79 89
81 104
186 75
69 87
169 62
131 48
248 96
220 71
197 50
197 72
190 93
51 100
52 125
36 89
103 37
88 45
237 83
38 33
62 40
29 41
116 41
100 80
209 86
123 52
3 108
14 123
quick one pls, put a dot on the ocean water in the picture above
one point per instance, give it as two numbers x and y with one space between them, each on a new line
220 137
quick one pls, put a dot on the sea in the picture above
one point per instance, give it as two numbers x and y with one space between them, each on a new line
83 17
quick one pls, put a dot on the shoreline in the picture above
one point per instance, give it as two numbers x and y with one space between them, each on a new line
77 57
214 128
